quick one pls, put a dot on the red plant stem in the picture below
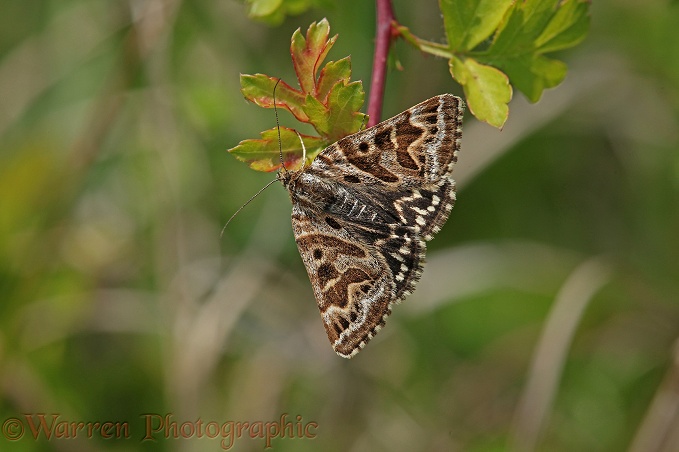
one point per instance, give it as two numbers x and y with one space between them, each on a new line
384 36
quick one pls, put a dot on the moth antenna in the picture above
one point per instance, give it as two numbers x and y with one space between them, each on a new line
303 149
280 155
243 206
278 127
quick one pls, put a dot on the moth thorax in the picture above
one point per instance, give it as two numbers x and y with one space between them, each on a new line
310 190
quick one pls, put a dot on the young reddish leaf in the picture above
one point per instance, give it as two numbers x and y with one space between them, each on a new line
333 73
259 89
339 117
264 155
329 102
344 116
308 54
318 114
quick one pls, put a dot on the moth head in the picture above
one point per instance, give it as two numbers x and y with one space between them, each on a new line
308 190
290 180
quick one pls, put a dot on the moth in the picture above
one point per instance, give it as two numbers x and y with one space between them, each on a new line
363 210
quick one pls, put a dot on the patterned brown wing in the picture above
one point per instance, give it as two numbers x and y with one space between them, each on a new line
362 210
404 163
354 281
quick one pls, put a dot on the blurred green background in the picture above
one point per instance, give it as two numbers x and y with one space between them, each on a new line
547 315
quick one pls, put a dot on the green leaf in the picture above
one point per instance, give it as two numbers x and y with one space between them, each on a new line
531 29
522 24
264 154
468 23
433 48
567 28
522 32
264 8
318 113
273 12
532 74
487 90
